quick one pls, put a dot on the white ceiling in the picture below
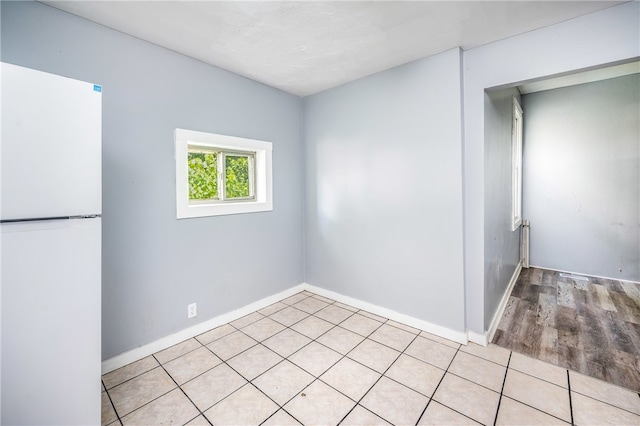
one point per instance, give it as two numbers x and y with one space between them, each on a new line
304 47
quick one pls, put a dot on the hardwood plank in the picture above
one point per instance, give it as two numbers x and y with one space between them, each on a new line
603 298
569 331
570 338
594 336
521 308
619 335
580 285
507 316
499 338
548 348
529 335
531 294
565 295
592 308
546 312
632 289
634 335
571 358
626 306
535 276
625 377
549 278
611 285
626 360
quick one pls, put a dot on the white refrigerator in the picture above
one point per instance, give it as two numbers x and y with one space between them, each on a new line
50 248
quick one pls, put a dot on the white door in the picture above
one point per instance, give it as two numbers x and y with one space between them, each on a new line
50 147
51 313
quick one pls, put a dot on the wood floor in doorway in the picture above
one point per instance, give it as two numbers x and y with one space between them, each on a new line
586 324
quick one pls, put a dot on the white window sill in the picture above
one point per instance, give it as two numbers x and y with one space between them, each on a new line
203 210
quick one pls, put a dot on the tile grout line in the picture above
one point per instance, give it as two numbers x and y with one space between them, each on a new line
200 413
438 385
379 378
249 382
506 371
358 362
112 404
345 356
315 379
570 402
531 406
463 378
157 397
151 400
289 327
281 407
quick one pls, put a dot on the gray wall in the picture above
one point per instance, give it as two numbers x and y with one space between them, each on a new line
582 177
501 244
599 38
383 214
153 264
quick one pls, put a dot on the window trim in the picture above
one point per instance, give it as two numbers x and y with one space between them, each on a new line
263 181
516 165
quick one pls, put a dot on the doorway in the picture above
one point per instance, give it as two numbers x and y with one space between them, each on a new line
579 306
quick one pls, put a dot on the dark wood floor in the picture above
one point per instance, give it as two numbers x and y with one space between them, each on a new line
589 325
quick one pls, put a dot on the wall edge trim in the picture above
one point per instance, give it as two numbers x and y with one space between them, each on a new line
503 304
485 338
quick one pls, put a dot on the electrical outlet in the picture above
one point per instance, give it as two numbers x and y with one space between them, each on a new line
192 310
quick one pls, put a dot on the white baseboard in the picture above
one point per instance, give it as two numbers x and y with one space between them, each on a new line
485 338
438 330
168 341
503 303
477 338
582 274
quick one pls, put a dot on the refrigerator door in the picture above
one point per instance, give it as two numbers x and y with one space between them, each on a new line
51 343
50 147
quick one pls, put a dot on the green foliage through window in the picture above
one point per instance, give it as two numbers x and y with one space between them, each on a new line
237 176
203 176
204 182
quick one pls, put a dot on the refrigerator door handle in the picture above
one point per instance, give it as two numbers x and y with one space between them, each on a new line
41 219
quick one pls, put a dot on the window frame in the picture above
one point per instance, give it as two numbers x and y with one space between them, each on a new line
261 151
221 155
516 165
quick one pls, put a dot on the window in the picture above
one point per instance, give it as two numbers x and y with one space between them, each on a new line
516 166
218 175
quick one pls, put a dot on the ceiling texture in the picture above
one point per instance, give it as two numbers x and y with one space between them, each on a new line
304 47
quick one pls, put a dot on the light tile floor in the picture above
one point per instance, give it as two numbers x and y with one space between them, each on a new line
309 360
